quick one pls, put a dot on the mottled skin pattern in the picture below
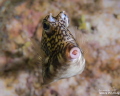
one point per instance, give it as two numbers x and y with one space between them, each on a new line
56 42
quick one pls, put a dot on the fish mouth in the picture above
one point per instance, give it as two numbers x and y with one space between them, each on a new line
73 53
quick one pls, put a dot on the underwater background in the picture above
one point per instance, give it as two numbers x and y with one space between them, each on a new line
97 22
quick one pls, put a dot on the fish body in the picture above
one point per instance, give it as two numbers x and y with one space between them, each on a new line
63 57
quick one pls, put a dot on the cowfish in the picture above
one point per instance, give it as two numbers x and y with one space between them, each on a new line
63 56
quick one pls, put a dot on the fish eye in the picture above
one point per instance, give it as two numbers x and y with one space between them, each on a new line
46 26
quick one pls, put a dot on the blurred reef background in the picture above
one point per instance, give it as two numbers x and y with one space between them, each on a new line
98 22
